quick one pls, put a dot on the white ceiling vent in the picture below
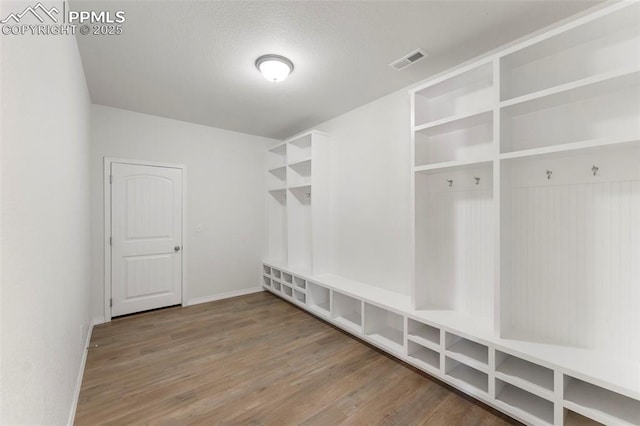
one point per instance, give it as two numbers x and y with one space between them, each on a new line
408 59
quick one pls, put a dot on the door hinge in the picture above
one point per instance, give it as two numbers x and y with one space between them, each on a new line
111 303
110 179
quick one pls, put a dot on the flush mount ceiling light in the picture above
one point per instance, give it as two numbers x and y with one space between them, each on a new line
274 67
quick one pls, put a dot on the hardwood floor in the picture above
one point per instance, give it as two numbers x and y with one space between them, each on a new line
255 360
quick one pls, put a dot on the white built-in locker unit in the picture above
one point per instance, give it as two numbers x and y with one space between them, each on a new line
526 213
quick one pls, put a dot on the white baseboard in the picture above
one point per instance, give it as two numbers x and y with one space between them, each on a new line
221 296
83 362
97 321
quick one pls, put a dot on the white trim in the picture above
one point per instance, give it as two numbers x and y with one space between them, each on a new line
226 295
83 362
107 225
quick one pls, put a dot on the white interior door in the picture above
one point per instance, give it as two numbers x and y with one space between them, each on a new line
146 230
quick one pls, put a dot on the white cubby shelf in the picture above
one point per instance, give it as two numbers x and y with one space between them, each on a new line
525 186
297 190
459 351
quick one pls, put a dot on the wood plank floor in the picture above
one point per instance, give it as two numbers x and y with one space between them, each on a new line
255 360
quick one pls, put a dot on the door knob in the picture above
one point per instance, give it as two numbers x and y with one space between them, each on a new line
176 248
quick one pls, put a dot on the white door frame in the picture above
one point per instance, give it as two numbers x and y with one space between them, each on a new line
107 225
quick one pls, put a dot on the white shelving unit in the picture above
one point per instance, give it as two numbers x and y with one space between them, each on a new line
298 189
526 250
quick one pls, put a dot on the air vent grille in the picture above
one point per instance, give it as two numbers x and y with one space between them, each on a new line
408 59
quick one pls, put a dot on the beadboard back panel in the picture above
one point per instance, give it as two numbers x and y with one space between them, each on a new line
571 274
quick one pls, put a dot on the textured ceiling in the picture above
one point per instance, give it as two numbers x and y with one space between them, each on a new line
194 60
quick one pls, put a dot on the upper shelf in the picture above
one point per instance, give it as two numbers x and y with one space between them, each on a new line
599 45
465 93
573 92
455 123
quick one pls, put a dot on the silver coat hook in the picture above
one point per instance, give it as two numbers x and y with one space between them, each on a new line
477 180
549 173
450 182
595 169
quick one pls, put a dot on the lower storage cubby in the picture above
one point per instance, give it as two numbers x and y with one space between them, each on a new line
266 281
423 334
524 374
266 270
276 285
467 351
347 311
319 299
424 356
276 274
287 278
600 404
384 327
299 296
300 282
538 409
287 290
574 419
468 377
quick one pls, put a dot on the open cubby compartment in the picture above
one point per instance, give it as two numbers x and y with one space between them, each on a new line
300 296
300 173
347 311
469 378
524 374
424 356
276 273
465 93
277 178
300 282
600 404
454 233
287 290
466 351
606 44
299 228
266 269
266 281
538 410
276 285
319 298
277 156
423 334
603 112
277 227
384 327
464 139
300 148
569 248
571 418
287 278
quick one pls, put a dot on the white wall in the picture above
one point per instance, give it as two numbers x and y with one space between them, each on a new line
370 192
45 225
225 193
